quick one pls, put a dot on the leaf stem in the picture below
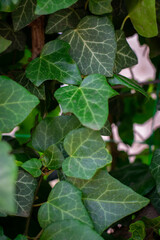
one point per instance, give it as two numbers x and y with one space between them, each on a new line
38 235
122 26
38 204
86 5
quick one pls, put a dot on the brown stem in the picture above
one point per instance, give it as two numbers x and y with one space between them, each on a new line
38 235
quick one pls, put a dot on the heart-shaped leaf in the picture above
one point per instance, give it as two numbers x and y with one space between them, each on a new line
93 54
54 63
33 167
89 102
87 153
53 157
99 7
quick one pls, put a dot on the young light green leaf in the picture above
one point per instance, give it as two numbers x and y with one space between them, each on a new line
106 130
8 174
24 14
15 103
52 131
25 188
93 54
130 83
64 19
99 7
155 168
51 6
64 203
89 102
53 157
143 16
54 63
33 167
138 230
8 5
4 44
125 57
153 223
107 200
87 153
69 229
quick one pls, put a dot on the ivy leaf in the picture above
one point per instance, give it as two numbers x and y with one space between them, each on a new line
54 63
53 157
64 203
33 167
107 200
87 153
24 14
138 230
93 55
89 102
8 174
52 6
15 104
69 229
106 130
52 131
155 168
25 186
4 44
64 19
153 223
8 5
99 7
143 16
125 57
130 83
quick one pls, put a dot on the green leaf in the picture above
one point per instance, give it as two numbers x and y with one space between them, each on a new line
155 168
2 236
87 153
8 174
25 188
89 102
8 5
153 223
99 7
15 104
106 130
64 19
53 157
53 131
4 44
93 54
24 14
138 230
54 63
33 167
130 83
107 200
69 229
155 200
143 16
20 237
64 203
125 57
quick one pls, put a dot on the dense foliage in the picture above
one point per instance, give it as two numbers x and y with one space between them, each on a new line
60 85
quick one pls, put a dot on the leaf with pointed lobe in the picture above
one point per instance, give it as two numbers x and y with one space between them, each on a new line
33 167
4 44
100 7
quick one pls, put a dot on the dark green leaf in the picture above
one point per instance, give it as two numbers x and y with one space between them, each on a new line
155 200
125 57
15 104
93 54
53 131
154 139
53 157
54 63
64 202
33 167
70 229
8 5
99 7
8 174
107 200
4 44
138 230
106 130
125 130
87 153
153 223
20 237
89 102
155 168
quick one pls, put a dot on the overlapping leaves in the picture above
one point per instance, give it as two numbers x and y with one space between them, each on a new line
99 7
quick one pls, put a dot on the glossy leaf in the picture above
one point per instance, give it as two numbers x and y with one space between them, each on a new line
155 168
52 131
93 54
8 5
153 223
87 153
99 7
125 57
143 16
64 203
54 63
69 229
33 167
15 104
107 200
138 230
89 102
8 174
53 157
4 44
